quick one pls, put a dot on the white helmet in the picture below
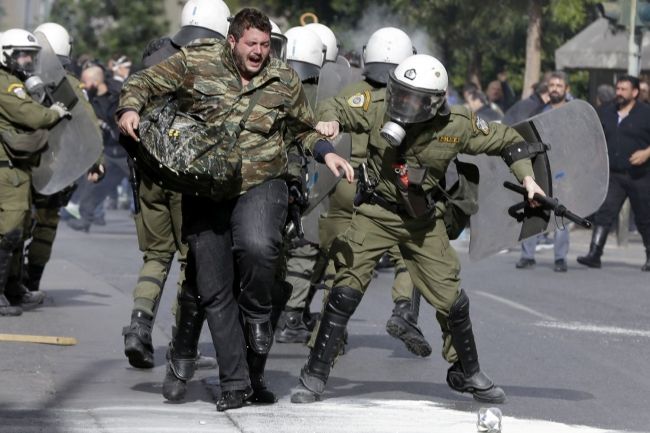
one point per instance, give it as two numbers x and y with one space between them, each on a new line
278 42
385 49
58 37
305 52
211 15
416 89
16 42
328 38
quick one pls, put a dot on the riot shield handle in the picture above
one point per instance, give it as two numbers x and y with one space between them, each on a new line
549 203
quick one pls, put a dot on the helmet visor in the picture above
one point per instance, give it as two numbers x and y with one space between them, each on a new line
409 104
279 46
25 60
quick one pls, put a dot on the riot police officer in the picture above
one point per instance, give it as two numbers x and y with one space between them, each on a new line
408 156
23 130
385 49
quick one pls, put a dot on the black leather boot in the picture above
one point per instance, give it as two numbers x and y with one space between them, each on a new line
342 303
8 243
256 364
598 239
233 399
33 277
646 266
403 325
183 352
465 375
138 346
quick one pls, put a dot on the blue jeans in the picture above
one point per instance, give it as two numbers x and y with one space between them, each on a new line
560 245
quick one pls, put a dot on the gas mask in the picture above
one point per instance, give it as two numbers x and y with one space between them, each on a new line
405 105
36 88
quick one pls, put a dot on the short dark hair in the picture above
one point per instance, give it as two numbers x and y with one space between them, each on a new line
248 18
561 75
634 81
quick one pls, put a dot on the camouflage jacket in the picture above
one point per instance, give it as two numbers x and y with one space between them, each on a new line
204 79
18 111
431 145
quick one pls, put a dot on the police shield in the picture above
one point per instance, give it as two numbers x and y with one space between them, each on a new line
320 182
578 176
334 77
74 144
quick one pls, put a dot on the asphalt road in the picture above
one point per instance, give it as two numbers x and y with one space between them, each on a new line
570 350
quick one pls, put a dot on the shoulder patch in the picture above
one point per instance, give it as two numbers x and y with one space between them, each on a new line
17 90
482 125
357 100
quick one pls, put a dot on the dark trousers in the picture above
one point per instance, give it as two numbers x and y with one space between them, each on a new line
637 189
92 194
243 235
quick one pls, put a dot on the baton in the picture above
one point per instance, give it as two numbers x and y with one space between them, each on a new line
550 203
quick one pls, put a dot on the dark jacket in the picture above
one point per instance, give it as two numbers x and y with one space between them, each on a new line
524 109
632 134
105 106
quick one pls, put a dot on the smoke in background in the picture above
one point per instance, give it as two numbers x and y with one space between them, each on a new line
376 18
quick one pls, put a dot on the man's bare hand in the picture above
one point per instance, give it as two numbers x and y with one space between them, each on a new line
640 157
532 188
328 129
335 162
128 123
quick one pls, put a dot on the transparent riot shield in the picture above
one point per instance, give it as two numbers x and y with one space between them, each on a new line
321 181
74 144
579 176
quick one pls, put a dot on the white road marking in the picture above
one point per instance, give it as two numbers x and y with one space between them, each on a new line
334 414
588 327
551 322
516 305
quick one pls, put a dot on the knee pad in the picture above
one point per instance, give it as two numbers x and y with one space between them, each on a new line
344 300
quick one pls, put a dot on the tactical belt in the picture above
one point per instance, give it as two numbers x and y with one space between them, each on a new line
6 164
400 209
523 150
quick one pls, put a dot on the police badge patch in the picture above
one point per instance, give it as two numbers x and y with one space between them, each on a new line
482 126
357 100
18 90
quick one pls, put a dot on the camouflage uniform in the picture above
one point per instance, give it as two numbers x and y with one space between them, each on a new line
403 322
380 225
207 86
19 113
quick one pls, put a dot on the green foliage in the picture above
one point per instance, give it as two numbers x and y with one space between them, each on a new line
102 28
475 38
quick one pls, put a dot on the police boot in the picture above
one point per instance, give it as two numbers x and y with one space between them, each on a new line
19 295
291 328
384 263
342 303
8 243
33 277
598 239
403 325
138 346
465 375
183 349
